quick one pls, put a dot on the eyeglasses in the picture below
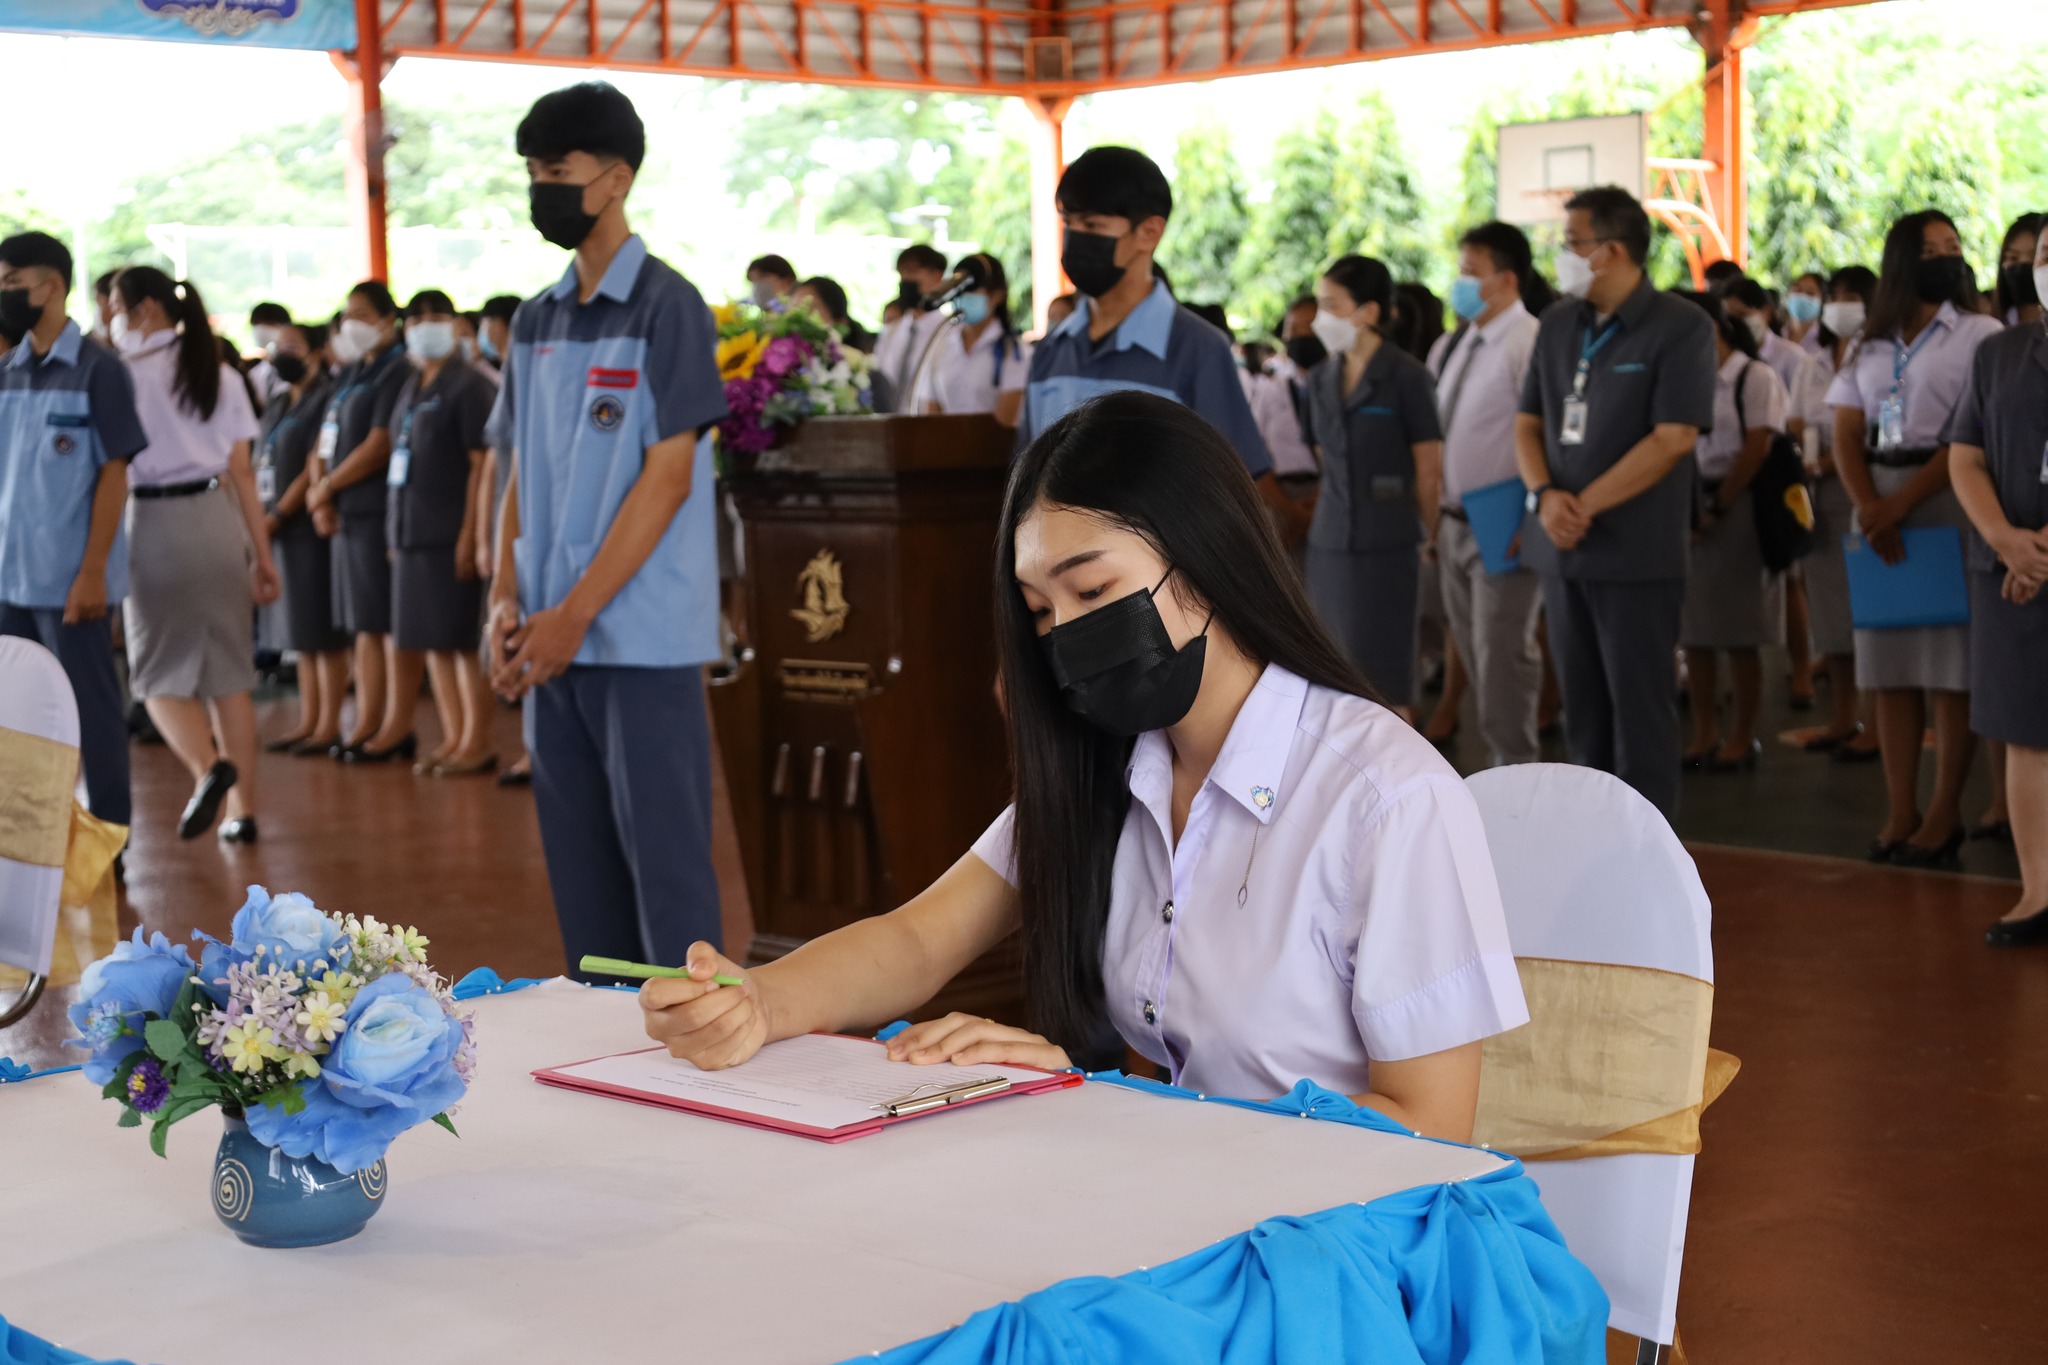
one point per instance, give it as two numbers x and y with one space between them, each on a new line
1584 243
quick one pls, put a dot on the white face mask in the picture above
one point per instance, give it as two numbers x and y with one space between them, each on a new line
1843 319
1574 273
1338 335
360 337
430 340
265 336
125 338
1758 328
2041 282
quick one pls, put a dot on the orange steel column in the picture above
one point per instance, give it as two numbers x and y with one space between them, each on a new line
1723 33
365 119
1048 161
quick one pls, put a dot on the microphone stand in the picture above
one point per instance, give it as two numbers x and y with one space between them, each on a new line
924 357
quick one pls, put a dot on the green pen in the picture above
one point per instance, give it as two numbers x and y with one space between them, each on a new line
612 966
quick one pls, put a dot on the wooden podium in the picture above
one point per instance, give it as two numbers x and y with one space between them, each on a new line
863 748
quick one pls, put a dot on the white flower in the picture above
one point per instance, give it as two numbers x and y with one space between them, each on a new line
320 1017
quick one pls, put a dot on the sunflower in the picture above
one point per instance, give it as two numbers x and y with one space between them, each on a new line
737 356
725 314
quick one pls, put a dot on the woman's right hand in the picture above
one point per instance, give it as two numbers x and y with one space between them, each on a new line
2026 554
710 1026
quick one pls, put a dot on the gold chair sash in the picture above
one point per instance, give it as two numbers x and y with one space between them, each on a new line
1614 1059
37 779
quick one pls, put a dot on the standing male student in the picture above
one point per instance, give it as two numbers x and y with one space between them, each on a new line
68 428
604 605
1620 387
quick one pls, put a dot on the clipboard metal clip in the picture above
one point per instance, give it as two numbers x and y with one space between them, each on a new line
941 1094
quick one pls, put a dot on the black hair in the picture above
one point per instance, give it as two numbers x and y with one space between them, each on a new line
831 293
1720 274
1213 314
1617 217
197 381
1256 355
2025 223
378 295
988 270
1730 330
1749 294
26 249
502 306
1509 248
1819 278
103 287
919 256
1418 318
1116 182
771 264
315 334
1366 281
1154 467
591 116
1300 301
1896 295
270 315
429 301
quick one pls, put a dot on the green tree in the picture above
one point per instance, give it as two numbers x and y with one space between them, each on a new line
454 167
1287 242
1950 163
1810 192
1379 208
998 217
1201 248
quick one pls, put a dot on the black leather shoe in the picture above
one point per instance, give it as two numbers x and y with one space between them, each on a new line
287 745
240 830
1746 763
1881 850
1825 743
2018 933
1998 831
308 748
1692 763
204 807
1914 855
363 753
1853 753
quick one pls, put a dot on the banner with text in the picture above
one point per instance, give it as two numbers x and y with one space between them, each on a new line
327 24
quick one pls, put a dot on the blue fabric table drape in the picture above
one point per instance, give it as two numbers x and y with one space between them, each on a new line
1467 1274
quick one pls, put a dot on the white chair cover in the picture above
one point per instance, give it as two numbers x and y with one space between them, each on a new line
35 699
1590 872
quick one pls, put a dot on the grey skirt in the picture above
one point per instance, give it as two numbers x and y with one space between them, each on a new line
1730 601
306 565
362 577
1827 572
1931 657
432 609
190 614
2008 660
1369 600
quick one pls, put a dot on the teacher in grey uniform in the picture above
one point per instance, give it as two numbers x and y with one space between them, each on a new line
1620 387
1372 409
1998 459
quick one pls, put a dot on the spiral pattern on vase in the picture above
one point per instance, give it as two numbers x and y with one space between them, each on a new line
371 1179
233 1191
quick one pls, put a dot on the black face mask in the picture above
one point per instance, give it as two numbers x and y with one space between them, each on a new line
1938 279
1118 670
2018 279
1089 258
558 215
290 368
1306 352
17 315
908 295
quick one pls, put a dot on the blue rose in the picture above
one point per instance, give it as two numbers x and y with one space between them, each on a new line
289 928
392 1068
121 992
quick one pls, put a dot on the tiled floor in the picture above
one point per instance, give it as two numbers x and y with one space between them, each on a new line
1873 1187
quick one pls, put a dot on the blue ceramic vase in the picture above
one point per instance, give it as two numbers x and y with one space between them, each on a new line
269 1199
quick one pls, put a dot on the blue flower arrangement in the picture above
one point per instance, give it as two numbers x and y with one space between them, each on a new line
328 1034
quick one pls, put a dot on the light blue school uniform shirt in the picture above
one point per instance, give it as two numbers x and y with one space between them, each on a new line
63 415
588 388
1161 348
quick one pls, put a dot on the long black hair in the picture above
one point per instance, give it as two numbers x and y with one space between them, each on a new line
1726 327
1897 296
2027 224
197 382
1151 466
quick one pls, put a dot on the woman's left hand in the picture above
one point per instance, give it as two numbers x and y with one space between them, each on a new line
969 1040
263 581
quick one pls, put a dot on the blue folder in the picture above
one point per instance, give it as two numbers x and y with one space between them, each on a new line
1926 588
1496 514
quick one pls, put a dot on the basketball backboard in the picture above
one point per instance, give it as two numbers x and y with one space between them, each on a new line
1539 165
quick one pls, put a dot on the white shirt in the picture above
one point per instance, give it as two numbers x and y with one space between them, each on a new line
960 379
901 347
1485 375
183 447
1784 357
1763 404
1371 925
1931 382
1279 421
1808 399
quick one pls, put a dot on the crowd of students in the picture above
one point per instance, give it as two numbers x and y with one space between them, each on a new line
354 466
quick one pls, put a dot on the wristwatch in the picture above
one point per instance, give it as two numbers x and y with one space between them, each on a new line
1533 503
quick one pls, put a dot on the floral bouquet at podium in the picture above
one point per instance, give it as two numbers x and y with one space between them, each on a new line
779 368
321 1038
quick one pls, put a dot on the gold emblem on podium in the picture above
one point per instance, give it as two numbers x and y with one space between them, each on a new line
823 586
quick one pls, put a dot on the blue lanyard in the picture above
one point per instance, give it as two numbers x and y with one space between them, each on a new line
1004 347
363 380
1589 346
1902 356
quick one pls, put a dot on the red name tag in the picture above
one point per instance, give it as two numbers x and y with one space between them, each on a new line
601 378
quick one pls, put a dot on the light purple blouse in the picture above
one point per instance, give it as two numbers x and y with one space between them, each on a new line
1370 924
1931 382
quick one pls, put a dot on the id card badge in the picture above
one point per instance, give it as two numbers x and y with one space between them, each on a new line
1572 430
266 484
400 467
2044 463
330 437
1891 423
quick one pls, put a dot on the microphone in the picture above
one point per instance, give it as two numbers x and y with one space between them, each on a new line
969 277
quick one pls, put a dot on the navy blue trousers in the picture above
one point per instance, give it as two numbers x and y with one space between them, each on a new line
87 652
622 784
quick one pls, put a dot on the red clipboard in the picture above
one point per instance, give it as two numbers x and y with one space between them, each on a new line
1041 1082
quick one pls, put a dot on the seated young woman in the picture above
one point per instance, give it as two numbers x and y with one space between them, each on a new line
1223 845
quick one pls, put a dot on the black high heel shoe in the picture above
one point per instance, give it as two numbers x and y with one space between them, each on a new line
2018 933
363 753
240 830
204 807
1914 855
1746 763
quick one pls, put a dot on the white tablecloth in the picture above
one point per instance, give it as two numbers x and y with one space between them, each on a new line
567 1227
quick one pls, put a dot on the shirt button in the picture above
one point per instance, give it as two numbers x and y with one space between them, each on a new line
1167 913
1151 1014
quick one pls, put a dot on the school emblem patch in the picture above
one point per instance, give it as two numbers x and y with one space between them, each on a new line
607 413
65 443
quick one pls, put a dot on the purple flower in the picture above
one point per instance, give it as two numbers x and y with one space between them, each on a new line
147 1088
783 356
